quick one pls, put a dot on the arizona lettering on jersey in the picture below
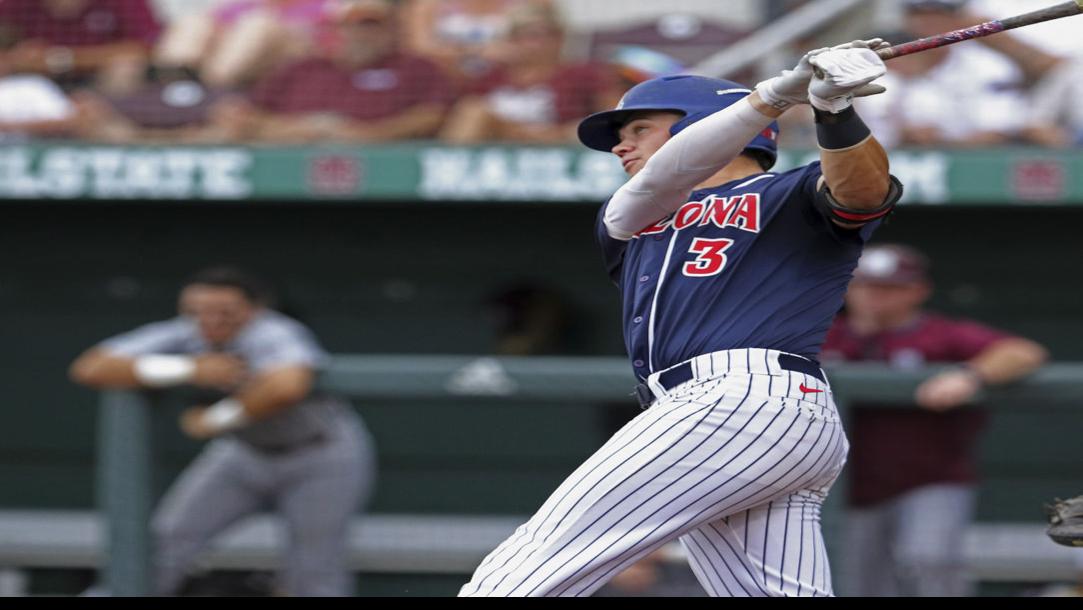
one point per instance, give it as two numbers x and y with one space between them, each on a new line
750 263
741 212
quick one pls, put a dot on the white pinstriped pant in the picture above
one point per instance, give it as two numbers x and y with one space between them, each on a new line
735 462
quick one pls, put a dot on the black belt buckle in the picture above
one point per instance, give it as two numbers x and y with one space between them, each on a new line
644 395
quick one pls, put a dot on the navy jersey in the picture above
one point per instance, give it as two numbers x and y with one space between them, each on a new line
750 263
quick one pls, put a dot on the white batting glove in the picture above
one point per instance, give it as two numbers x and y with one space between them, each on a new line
842 74
789 88
875 44
792 86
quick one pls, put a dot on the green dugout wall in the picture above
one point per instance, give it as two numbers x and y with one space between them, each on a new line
411 279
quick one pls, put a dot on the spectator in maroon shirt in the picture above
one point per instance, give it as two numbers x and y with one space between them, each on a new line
173 106
365 90
912 474
534 97
78 41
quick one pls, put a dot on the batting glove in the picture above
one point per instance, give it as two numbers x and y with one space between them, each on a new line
792 86
840 75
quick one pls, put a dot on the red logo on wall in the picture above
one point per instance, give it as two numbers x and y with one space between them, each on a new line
334 175
1039 180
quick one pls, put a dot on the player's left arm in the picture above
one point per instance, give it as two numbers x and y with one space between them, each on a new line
856 187
266 395
1003 361
284 373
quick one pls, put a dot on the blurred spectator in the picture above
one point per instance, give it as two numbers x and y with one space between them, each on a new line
912 471
31 105
635 64
77 42
277 440
1056 117
366 90
242 39
972 94
533 96
172 106
466 37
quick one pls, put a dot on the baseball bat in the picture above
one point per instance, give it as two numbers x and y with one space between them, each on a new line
1067 9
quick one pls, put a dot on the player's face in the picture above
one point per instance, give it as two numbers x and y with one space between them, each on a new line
641 137
220 311
886 300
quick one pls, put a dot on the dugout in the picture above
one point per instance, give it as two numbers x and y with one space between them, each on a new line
401 251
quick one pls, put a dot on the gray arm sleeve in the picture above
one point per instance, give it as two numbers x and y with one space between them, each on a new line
277 341
156 338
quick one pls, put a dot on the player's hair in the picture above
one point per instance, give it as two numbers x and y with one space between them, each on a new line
233 277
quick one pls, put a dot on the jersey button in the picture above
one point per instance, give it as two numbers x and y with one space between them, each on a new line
637 363
637 319
644 279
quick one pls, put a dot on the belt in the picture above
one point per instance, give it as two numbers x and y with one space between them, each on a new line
280 450
675 376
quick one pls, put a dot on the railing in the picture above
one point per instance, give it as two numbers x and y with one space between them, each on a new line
124 450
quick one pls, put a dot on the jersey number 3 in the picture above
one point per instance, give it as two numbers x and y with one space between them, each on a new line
711 259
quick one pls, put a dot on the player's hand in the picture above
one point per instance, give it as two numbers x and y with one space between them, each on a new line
792 86
844 73
219 371
872 43
193 424
947 390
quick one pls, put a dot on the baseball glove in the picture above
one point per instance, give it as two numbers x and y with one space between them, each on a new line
1066 521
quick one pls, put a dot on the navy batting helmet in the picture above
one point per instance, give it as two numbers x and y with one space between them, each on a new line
694 97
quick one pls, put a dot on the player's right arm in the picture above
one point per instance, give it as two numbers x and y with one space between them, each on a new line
99 368
147 358
694 155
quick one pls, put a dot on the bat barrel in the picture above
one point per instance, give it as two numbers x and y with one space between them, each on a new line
1066 9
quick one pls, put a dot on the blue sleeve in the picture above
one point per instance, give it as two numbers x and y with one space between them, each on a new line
612 249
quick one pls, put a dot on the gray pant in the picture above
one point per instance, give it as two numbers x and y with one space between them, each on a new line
911 545
316 489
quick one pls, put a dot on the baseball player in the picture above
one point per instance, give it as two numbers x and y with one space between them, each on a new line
277 442
913 482
729 275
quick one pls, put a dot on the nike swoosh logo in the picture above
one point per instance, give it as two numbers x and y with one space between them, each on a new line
808 390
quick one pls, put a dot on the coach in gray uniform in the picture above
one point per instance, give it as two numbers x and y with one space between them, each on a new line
277 442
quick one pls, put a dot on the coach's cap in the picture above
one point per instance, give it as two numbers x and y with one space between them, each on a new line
892 264
934 5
